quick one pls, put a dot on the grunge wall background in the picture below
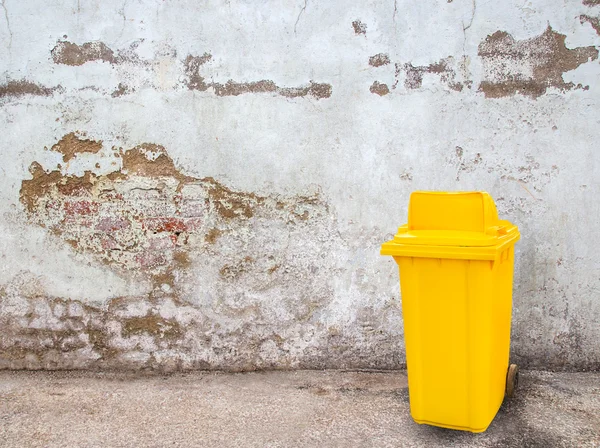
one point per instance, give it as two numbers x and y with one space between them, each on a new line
205 185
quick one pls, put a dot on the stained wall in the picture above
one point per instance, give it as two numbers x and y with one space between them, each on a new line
205 185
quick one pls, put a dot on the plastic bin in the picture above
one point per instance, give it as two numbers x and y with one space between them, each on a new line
456 269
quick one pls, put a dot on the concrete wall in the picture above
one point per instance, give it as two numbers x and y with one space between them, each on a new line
192 184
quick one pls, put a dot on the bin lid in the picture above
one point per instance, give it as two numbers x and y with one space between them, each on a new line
452 220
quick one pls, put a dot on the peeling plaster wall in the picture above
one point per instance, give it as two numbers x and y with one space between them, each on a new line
206 185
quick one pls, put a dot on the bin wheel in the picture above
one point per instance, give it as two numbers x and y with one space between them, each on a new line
512 380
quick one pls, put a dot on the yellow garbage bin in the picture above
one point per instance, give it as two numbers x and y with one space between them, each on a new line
456 268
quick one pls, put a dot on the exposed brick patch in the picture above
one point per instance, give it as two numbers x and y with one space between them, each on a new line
146 216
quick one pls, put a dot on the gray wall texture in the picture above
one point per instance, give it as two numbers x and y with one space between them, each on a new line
205 185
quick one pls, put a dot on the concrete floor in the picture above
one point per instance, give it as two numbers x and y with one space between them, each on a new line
277 409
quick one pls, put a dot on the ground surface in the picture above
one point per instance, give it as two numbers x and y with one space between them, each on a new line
277 409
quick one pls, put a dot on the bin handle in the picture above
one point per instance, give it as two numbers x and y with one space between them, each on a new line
496 230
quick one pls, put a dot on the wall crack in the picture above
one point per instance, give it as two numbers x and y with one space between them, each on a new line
465 28
300 14
122 14
10 33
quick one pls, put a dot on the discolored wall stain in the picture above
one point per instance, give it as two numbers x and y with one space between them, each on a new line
151 160
195 81
314 89
43 183
591 2
414 76
157 332
62 333
232 271
22 88
231 204
232 88
69 53
594 21
445 69
72 54
379 59
359 27
379 88
152 324
529 66
71 145
213 235
121 90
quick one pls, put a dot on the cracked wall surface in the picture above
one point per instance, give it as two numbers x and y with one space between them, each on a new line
189 186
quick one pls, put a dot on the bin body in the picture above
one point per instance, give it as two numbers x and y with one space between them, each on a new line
456 301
